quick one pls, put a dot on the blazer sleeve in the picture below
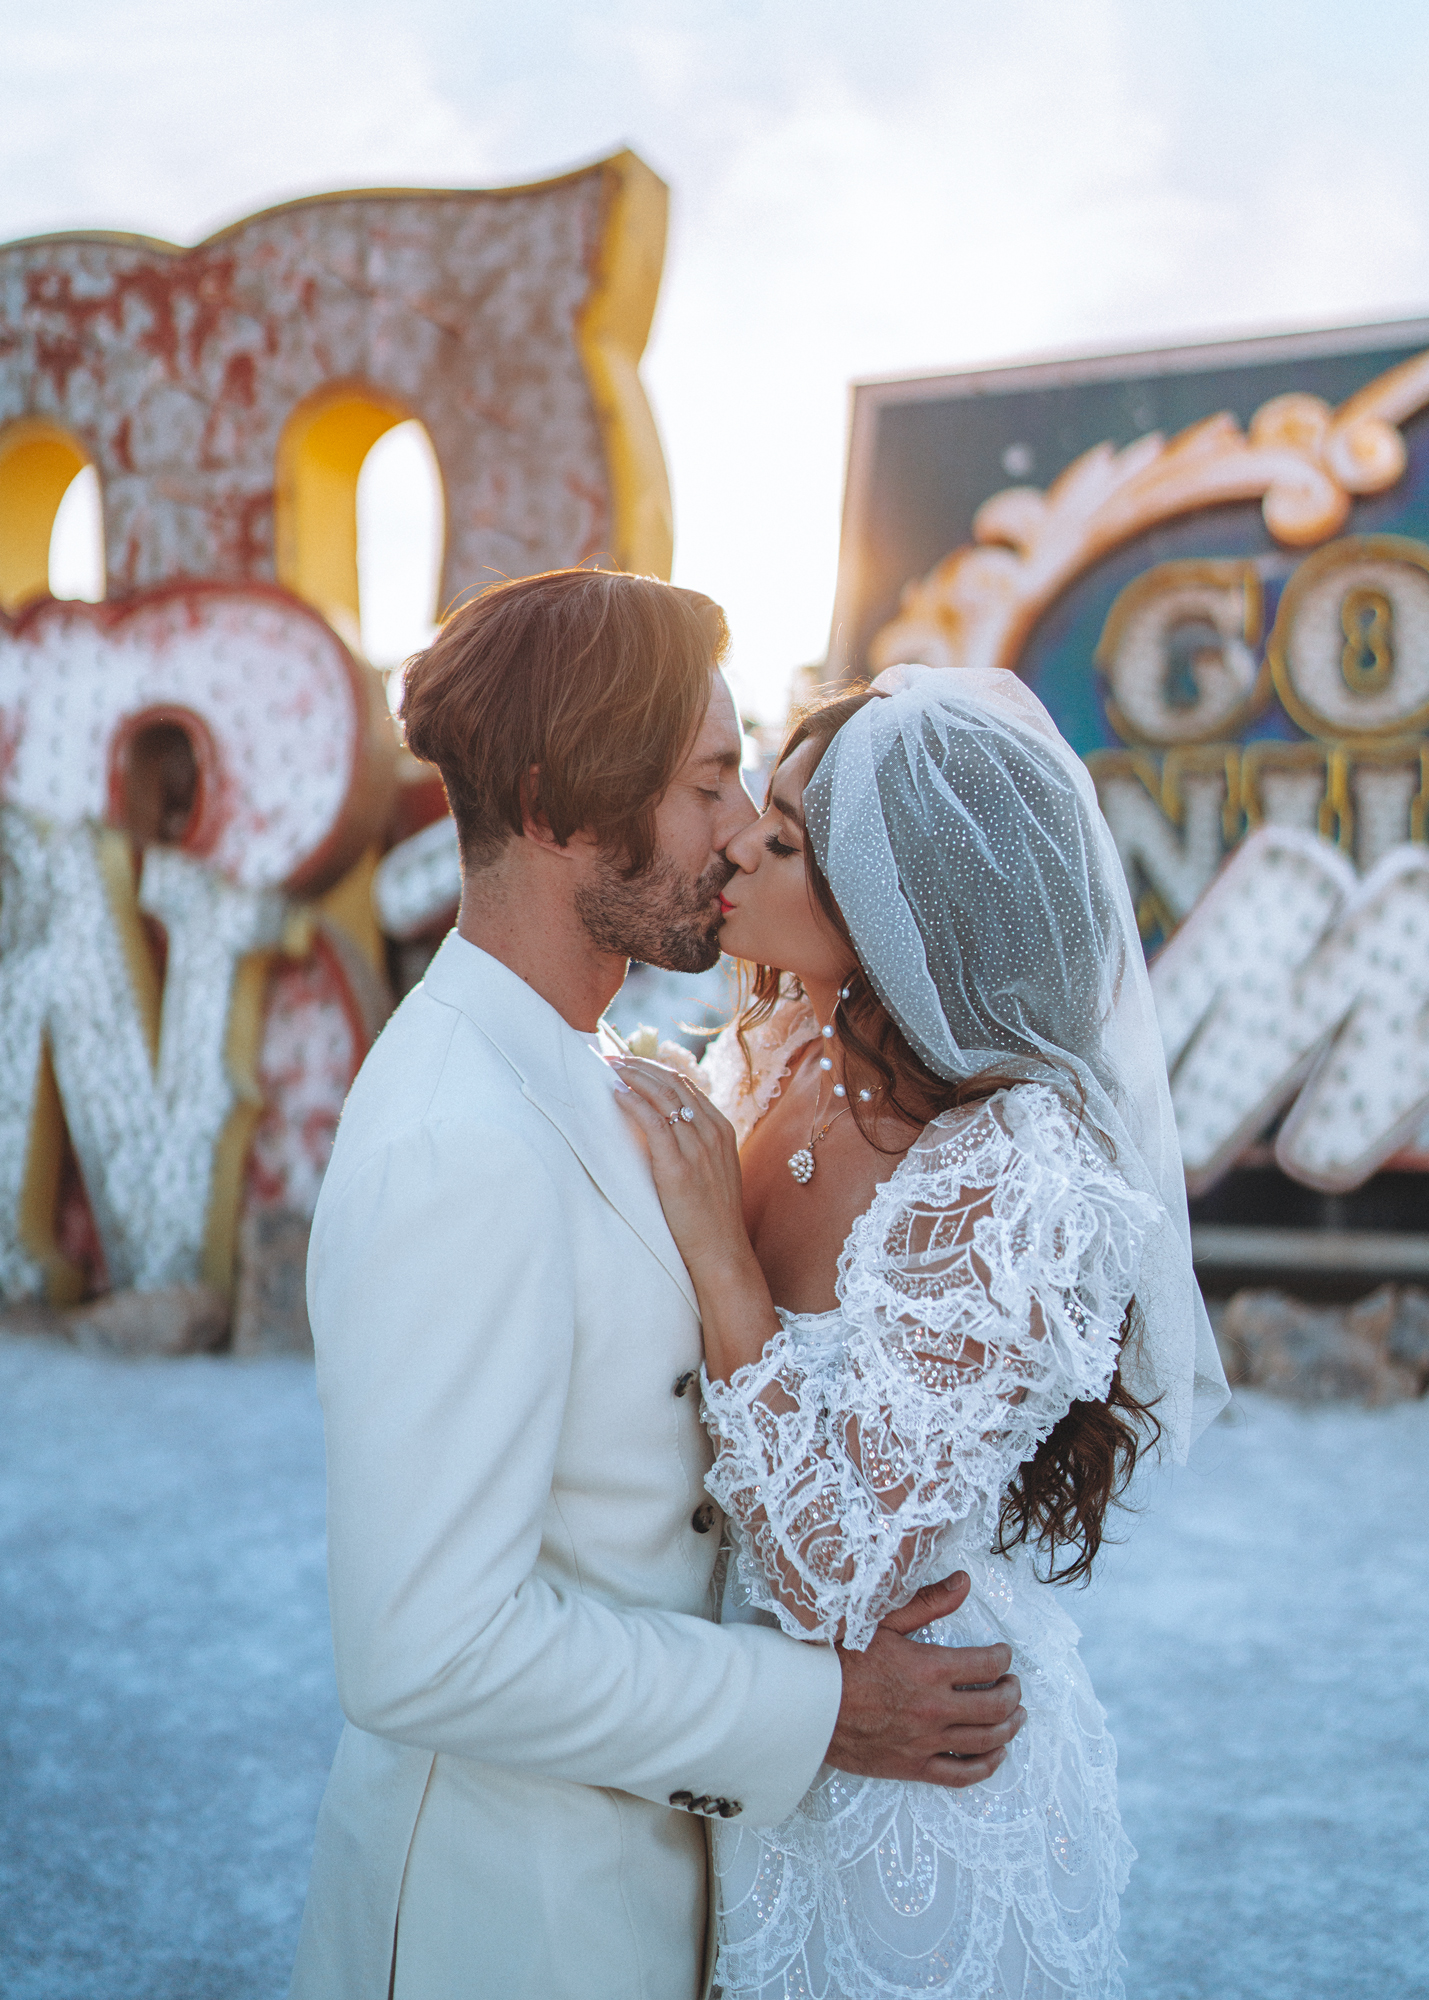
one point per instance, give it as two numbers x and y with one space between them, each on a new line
443 1308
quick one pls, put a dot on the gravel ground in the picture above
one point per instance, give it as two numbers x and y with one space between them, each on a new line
169 1712
1261 1641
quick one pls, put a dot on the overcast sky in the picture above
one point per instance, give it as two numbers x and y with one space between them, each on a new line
858 190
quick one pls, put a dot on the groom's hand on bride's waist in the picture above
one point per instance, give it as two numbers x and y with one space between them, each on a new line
938 1715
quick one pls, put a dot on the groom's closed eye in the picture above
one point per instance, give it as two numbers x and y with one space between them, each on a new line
724 771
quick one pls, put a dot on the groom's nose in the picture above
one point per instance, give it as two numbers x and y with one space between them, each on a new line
738 811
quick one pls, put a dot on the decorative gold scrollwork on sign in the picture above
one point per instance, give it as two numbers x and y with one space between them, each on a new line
1301 459
1350 648
1178 651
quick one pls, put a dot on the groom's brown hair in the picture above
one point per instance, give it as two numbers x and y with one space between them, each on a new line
573 695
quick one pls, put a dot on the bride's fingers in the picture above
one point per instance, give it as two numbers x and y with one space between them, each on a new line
656 1074
668 1089
660 1133
645 1091
660 1088
678 1149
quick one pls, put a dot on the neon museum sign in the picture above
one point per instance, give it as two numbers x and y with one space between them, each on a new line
1289 878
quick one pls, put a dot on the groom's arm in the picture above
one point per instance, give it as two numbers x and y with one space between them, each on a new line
442 1297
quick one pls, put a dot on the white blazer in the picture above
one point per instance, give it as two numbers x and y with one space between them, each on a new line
521 1553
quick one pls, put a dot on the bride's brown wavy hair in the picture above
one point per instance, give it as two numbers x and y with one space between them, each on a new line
1059 1499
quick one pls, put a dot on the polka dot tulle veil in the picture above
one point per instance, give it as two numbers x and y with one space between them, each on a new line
963 842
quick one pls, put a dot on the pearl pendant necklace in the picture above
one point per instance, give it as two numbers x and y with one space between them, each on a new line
801 1163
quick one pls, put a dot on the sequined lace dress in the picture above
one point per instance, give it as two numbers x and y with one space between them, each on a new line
864 1455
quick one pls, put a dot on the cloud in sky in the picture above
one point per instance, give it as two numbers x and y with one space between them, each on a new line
856 191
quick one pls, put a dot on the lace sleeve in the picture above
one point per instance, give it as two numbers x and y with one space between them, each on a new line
981 1294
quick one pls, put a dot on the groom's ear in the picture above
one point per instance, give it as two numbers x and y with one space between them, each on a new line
535 826
534 823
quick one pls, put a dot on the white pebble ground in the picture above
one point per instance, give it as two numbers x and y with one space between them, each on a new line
1261 1642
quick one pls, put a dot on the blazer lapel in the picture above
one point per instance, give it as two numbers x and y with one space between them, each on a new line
593 1126
563 1076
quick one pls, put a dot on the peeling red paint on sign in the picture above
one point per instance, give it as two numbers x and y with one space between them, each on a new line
177 370
292 743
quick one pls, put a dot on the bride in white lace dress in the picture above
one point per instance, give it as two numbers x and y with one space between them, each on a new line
941 1281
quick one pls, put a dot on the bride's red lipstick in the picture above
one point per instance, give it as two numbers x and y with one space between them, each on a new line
725 906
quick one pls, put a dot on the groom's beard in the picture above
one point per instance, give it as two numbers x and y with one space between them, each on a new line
658 916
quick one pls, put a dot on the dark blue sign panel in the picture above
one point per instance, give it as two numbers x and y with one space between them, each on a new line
925 455
1212 564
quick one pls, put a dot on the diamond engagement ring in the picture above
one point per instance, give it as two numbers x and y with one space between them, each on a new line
680 1111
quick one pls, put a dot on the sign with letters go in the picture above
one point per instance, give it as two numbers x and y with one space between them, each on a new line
1212 564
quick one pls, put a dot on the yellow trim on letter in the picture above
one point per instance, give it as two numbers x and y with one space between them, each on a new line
38 461
348 904
612 330
241 1051
40 1191
320 454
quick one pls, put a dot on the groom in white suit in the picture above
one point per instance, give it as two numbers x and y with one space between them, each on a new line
522 1557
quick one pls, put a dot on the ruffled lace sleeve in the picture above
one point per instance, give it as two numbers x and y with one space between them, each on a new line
981 1294
744 1090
